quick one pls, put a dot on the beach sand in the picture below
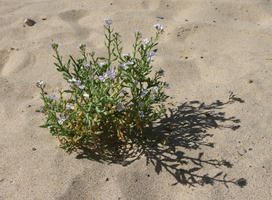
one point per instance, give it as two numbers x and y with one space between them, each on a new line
218 60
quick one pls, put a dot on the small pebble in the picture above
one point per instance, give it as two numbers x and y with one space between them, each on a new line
44 18
250 149
148 175
107 179
186 57
34 149
29 22
160 17
29 106
201 57
250 81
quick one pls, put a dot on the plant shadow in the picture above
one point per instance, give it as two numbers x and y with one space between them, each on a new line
165 144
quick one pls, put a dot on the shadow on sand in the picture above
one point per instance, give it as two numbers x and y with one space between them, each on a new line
186 128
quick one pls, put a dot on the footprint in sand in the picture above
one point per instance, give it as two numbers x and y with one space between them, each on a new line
4 56
72 17
11 62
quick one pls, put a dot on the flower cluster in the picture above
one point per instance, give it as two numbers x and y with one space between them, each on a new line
108 98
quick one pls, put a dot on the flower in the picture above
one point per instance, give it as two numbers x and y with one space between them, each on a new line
81 87
102 78
102 64
156 89
159 27
153 97
120 106
108 22
92 75
86 95
145 92
61 120
167 85
141 104
40 83
109 74
150 55
52 97
70 107
77 82
141 114
146 41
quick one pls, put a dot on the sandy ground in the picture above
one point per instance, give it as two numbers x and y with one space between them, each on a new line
210 49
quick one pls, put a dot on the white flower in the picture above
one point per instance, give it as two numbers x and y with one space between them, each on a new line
70 107
86 95
159 27
102 64
146 41
130 63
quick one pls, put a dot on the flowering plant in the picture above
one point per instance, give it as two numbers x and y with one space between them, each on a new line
109 99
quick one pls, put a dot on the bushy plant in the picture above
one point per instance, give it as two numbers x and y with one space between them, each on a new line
109 99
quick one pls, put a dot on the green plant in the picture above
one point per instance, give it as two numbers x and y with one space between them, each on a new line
109 99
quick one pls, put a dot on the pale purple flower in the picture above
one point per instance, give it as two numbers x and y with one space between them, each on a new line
145 41
141 104
120 106
101 78
92 75
109 74
130 63
167 85
61 120
81 87
156 89
108 22
42 109
70 107
159 27
145 92
141 114
125 67
150 55
153 97
40 83
52 97
86 95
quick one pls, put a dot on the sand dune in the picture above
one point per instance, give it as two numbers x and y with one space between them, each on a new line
210 50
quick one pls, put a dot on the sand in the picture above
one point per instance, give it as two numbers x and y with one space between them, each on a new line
217 56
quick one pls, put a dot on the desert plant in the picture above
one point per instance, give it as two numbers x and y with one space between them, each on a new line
109 99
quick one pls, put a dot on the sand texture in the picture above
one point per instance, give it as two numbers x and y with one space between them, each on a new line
217 55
